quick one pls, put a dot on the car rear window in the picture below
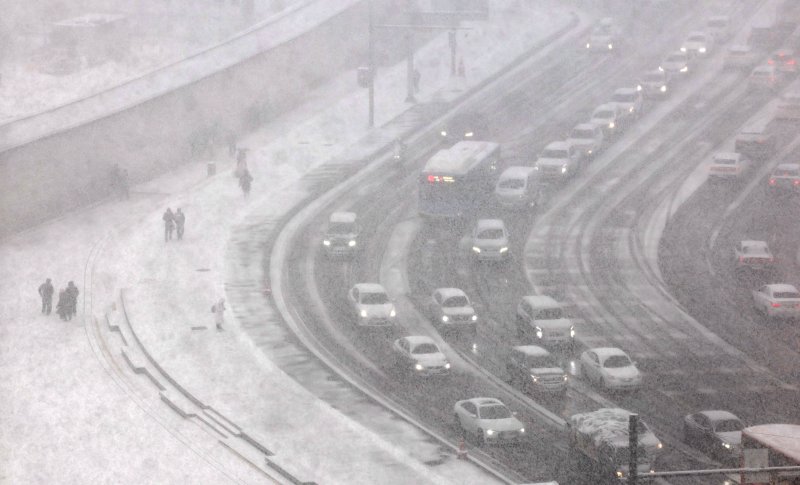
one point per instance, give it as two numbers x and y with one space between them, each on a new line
582 133
786 294
728 425
617 361
604 114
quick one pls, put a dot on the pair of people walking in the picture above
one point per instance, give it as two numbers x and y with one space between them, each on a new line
67 306
173 222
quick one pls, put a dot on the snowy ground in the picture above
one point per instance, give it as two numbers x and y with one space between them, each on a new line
68 416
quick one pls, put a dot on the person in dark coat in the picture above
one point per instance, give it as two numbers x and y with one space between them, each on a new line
46 292
244 182
169 224
72 299
62 307
180 220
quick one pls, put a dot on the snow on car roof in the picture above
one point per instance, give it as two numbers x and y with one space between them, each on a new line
604 352
782 437
370 288
605 424
489 224
532 350
516 172
448 292
415 340
752 243
790 167
782 287
538 301
345 217
718 415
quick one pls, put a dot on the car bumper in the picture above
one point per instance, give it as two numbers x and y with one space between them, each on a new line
622 386
783 313
504 437
432 371
488 255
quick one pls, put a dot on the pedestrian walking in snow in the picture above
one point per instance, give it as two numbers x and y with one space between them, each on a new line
180 221
244 182
169 224
62 307
241 162
46 292
72 299
219 313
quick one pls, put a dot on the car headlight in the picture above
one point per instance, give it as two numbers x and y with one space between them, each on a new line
522 430
539 332
630 110
702 50
489 432
443 133
566 377
418 366
685 69
638 87
503 249
588 45
352 243
363 314
476 249
447 365
663 88
610 46
612 124
620 474
564 168
326 242
726 445
468 134
392 313
534 378
659 445
572 332
474 318
445 318
683 49
660 68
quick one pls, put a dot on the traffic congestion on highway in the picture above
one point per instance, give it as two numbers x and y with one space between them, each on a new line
606 231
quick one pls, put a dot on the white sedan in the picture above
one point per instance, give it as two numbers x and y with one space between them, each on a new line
420 355
777 300
450 308
488 420
371 305
610 368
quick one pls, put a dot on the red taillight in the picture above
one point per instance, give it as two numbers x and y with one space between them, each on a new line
797 182
790 62
770 61
741 259
775 304
772 181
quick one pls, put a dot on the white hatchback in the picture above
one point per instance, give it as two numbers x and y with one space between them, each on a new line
610 368
371 305
490 240
778 300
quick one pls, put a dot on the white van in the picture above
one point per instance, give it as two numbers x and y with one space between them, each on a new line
518 188
541 320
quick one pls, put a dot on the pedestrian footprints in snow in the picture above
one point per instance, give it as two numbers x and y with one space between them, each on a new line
173 222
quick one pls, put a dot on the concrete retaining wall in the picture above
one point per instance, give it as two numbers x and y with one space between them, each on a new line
65 168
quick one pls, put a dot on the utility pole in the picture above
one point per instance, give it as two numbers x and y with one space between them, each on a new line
633 447
410 55
371 66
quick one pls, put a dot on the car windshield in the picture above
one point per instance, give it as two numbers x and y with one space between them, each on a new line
787 294
554 153
425 349
604 114
549 314
494 411
718 23
511 183
676 58
728 425
653 77
535 361
624 97
456 302
697 38
616 361
342 228
582 133
491 234
374 298
602 29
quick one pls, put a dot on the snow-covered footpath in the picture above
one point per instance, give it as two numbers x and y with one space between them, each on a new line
67 415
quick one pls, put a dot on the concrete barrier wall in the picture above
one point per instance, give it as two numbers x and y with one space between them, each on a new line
45 177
